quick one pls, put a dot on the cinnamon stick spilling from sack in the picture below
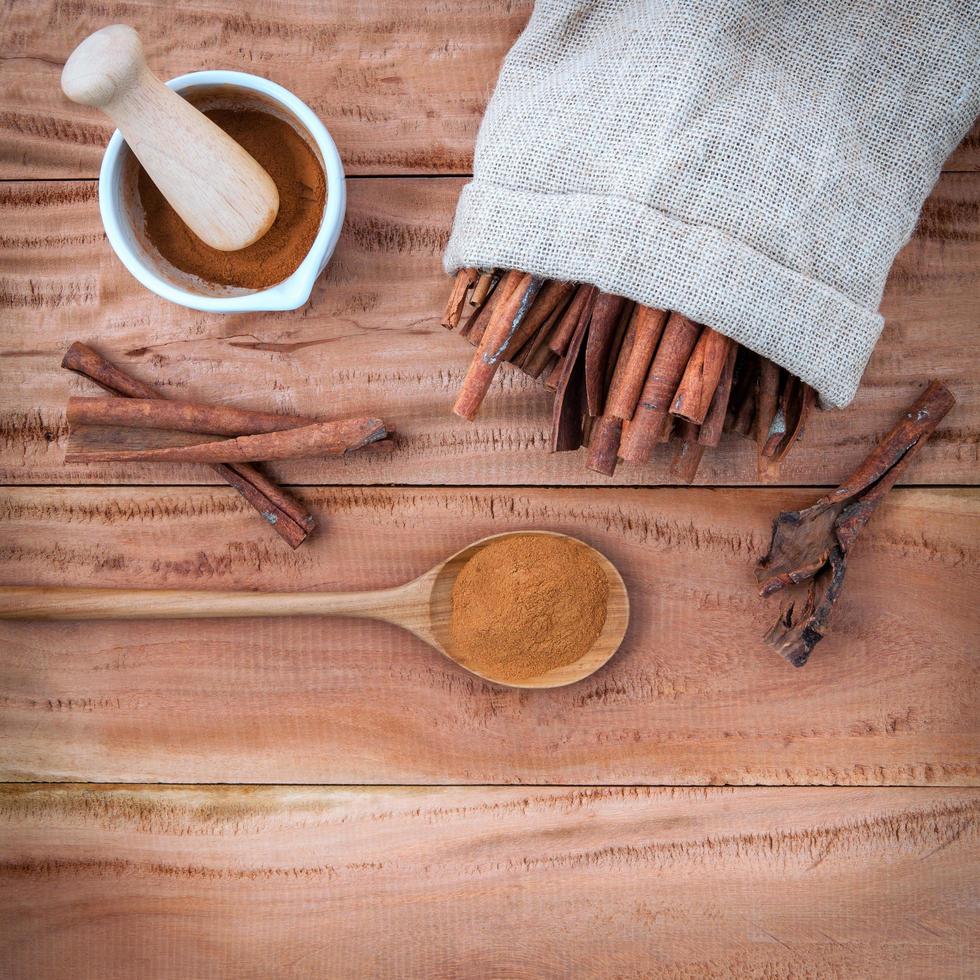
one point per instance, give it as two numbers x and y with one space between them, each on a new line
812 545
626 377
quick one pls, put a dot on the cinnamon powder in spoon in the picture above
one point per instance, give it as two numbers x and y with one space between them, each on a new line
299 178
527 604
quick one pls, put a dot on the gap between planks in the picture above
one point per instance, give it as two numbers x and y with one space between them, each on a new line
184 784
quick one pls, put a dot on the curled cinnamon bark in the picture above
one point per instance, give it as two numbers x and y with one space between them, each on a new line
633 363
580 306
483 286
768 385
287 517
536 353
812 545
796 401
688 451
636 355
604 445
567 432
697 386
554 373
553 294
508 314
714 421
602 329
741 405
457 298
619 341
476 323
180 416
317 439
642 369
648 422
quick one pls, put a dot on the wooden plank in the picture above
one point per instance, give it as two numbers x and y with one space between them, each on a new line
113 882
370 342
693 697
401 87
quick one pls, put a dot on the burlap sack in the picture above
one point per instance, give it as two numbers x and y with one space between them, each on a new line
755 165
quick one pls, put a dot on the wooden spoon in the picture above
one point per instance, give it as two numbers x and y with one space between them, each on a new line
422 606
222 194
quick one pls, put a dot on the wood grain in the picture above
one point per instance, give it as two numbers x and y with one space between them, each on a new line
694 696
370 343
114 882
401 87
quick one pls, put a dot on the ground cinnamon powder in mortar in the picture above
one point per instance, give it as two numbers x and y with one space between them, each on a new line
527 604
302 187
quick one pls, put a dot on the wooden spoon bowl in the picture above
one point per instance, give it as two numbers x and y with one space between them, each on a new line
606 644
422 606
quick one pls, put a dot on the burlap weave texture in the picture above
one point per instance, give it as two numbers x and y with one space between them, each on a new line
755 165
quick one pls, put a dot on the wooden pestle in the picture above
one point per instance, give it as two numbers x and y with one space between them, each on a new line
219 190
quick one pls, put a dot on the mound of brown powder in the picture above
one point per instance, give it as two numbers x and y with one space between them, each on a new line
302 187
527 604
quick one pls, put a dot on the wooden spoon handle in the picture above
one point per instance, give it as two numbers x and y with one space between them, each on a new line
218 189
31 602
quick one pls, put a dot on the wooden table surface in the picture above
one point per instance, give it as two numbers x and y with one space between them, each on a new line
330 798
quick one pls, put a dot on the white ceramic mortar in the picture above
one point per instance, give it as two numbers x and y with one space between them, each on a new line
122 216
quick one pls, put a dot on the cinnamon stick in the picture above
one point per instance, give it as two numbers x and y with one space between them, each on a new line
812 545
634 362
622 338
602 328
566 419
181 416
766 399
796 401
536 352
687 451
543 364
581 305
457 297
616 348
553 293
701 376
87 362
714 421
632 365
476 324
741 406
679 337
505 321
482 288
318 439
604 445
284 514
554 373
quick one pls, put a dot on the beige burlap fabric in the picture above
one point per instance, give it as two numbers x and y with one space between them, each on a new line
755 165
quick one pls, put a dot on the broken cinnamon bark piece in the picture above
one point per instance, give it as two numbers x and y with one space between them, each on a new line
483 287
454 307
813 544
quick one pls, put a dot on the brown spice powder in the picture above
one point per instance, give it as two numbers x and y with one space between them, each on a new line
302 187
527 604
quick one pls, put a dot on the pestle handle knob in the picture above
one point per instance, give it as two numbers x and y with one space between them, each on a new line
217 188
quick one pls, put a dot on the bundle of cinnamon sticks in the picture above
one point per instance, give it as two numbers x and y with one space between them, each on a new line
136 425
626 377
